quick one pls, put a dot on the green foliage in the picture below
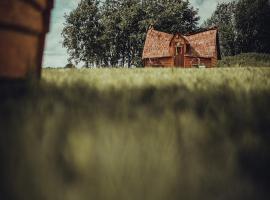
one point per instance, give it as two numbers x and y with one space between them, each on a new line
123 32
148 134
82 33
246 60
172 16
70 66
112 33
224 18
253 25
244 26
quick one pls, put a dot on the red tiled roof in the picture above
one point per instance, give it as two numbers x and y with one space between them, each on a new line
203 44
157 44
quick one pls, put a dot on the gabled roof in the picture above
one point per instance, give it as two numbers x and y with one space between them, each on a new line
157 44
202 44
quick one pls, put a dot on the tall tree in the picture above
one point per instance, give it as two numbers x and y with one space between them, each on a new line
82 33
224 18
172 16
122 31
244 26
253 25
133 34
111 33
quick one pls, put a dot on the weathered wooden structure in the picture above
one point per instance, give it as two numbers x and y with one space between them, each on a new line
168 50
23 27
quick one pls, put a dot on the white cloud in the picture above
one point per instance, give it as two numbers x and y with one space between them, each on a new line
206 7
56 56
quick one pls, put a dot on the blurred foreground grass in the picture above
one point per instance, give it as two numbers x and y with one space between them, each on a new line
119 134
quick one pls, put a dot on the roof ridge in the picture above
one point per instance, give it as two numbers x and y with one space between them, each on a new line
161 32
187 34
202 30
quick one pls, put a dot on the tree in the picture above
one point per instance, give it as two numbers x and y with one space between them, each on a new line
224 18
253 25
244 26
82 33
122 32
133 34
173 16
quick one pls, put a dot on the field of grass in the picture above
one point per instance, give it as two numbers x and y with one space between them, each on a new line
137 134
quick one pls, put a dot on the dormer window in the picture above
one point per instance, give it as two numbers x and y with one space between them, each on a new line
179 50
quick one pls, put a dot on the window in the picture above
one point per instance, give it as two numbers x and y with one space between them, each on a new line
188 51
179 50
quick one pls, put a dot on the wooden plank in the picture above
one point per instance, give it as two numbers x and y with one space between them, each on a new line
21 15
23 27
41 5
45 4
18 54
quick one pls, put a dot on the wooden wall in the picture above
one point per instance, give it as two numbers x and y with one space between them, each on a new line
189 60
169 62
23 26
159 62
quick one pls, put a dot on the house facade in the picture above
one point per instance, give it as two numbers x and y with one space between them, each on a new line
176 50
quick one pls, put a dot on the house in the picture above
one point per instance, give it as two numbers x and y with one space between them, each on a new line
176 50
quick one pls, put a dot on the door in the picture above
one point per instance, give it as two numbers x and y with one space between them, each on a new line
179 56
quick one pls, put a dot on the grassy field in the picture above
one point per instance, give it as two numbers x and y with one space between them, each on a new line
137 134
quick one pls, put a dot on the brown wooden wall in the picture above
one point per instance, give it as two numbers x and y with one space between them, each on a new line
214 62
159 62
23 26
205 61
188 62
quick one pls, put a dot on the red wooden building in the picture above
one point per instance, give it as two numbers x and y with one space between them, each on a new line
168 50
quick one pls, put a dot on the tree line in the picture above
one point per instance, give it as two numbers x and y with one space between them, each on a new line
112 32
244 26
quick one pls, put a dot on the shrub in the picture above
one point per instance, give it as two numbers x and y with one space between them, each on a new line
246 60
70 66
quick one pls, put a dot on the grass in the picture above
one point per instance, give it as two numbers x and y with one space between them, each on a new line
137 134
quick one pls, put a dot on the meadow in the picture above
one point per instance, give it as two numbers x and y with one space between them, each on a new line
130 134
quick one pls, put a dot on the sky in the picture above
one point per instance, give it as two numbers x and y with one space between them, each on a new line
56 56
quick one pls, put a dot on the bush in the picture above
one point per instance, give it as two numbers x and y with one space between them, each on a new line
70 66
246 60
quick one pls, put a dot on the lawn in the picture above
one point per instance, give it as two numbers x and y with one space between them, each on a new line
135 134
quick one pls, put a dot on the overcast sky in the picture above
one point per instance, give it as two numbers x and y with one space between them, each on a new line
56 56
